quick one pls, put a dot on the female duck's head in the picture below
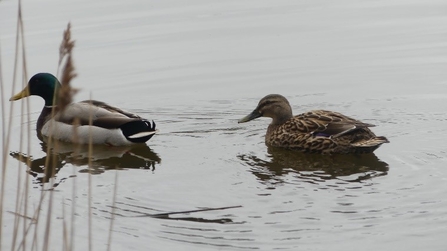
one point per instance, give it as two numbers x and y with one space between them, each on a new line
273 106
44 85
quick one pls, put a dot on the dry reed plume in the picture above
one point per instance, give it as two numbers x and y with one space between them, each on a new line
66 93
28 224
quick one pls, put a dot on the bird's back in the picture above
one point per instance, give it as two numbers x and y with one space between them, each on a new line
323 131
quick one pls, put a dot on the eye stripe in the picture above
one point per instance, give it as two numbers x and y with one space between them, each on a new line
268 102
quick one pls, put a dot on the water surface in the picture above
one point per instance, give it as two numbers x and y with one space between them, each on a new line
196 67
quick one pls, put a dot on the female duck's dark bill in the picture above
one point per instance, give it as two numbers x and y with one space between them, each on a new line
253 115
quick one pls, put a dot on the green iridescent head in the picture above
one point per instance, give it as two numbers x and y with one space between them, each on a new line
44 85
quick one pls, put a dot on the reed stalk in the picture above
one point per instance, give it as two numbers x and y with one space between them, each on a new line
24 224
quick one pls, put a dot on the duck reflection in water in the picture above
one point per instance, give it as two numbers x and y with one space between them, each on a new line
314 167
101 158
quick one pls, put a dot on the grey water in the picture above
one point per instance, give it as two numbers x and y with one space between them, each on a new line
195 68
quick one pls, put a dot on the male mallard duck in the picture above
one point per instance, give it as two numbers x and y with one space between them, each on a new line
317 131
77 122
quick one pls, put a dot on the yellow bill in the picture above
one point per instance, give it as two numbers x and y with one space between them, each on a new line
23 94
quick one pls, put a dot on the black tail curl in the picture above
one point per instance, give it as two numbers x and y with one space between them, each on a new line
139 126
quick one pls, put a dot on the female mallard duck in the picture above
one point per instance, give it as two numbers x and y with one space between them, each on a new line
84 122
317 131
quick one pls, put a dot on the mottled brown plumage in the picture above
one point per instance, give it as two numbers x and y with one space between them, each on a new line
318 131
